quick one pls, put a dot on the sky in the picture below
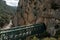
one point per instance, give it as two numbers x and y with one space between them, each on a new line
12 2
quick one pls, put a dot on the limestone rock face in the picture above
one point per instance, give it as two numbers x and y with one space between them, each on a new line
37 11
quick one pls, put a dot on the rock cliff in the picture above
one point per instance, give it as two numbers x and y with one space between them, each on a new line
38 11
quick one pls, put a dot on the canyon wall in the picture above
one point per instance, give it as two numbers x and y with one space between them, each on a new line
38 11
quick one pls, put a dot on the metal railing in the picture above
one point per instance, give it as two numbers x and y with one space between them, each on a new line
18 33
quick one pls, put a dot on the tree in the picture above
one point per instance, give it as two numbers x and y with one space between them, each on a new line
4 18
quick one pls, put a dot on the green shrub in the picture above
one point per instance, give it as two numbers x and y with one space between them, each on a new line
49 38
35 38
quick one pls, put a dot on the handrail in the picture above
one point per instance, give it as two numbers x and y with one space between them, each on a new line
21 32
